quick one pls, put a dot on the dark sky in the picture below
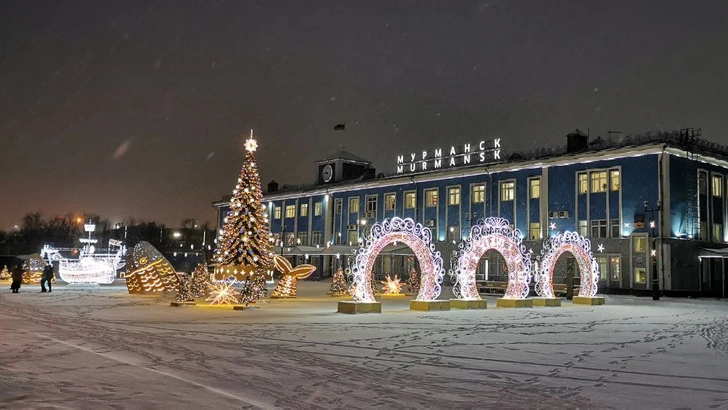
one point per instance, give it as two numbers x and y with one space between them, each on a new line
131 108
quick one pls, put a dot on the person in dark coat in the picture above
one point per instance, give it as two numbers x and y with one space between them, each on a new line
47 277
17 276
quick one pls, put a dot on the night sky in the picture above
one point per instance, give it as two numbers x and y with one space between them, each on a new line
132 108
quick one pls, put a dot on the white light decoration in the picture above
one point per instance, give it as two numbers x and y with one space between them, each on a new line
223 293
552 225
492 233
600 247
414 235
89 268
578 246
251 144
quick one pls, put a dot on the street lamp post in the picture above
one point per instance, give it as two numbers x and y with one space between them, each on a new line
653 252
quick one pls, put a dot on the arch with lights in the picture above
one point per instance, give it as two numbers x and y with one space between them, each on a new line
398 230
492 233
578 246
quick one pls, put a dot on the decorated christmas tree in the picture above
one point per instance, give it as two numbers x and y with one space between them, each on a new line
246 238
339 285
253 290
199 286
183 291
413 282
5 273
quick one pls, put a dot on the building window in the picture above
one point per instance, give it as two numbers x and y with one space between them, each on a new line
290 211
583 185
534 230
453 233
717 232
431 198
614 268
599 181
534 188
599 228
389 202
640 244
317 238
640 275
354 205
478 196
410 200
371 204
508 191
614 182
603 267
352 236
337 206
616 228
718 186
304 210
277 212
318 208
583 228
453 196
302 238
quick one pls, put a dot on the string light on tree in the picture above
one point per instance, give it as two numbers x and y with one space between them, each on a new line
338 285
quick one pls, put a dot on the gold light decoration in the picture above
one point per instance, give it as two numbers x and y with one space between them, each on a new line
239 272
392 286
287 285
223 293
150 272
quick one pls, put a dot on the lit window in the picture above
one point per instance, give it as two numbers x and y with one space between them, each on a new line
354 205
717 186
640 244
717 232
318 208
290 211
508 191
534 230
277 212
599 181
453 196
431 198
583 228
640 275
614 180
614 267
410 200
583 184
337 206
603 267
478 196
389 202
304 210
535 188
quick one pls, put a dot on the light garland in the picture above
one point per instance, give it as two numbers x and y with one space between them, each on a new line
492 233
578 246
412 234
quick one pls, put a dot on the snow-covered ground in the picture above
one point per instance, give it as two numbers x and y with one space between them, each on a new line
95 348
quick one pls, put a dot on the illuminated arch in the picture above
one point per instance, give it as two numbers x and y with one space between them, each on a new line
578 246
492 233
412 234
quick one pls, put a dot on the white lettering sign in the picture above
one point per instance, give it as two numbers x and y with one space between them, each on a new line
467 154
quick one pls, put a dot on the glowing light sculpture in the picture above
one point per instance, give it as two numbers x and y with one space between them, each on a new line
578 246
223 293
90 267
414 235
392 286
492 233
150 271
287 285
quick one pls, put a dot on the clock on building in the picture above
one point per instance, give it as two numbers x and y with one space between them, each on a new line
327 173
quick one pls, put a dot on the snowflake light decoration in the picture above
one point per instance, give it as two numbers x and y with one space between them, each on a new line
412 234
223 293
392 286
251 144
578 246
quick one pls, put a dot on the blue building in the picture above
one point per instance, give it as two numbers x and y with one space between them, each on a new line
653 206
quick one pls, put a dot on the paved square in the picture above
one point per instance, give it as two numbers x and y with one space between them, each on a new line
102 348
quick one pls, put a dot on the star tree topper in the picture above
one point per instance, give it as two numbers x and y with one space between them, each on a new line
251 144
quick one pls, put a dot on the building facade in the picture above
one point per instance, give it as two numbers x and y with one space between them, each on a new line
652 206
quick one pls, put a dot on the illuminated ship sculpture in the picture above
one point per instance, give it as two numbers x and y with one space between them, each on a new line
91 267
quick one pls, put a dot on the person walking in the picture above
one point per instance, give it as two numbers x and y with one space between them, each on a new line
17 277
47 277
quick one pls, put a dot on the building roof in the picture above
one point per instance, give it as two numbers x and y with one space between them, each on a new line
345 156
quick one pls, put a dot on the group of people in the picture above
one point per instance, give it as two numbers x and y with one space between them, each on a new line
17 278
